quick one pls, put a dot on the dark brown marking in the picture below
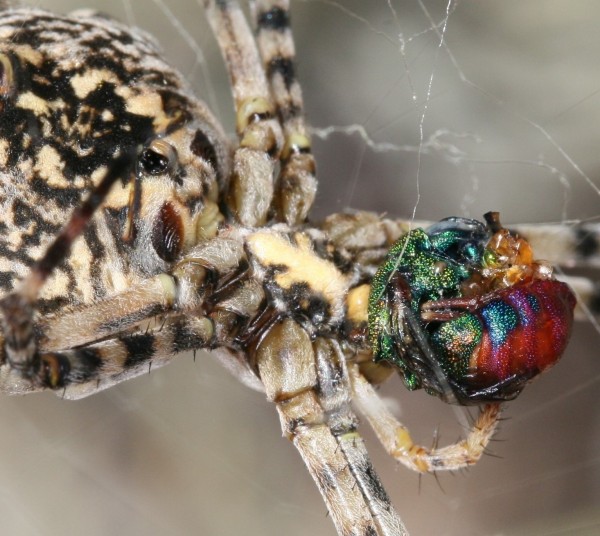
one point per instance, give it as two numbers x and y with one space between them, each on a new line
167 234
140 348
276 19
86 366
284 67
586 244
133 318
202 147
185 338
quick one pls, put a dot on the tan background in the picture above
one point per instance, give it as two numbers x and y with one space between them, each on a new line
186 450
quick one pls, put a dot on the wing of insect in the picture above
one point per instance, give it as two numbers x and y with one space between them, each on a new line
133 231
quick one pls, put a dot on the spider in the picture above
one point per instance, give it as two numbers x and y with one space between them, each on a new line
156 159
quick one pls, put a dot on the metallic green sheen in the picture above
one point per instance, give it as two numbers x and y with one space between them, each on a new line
454 343
501 319
429 274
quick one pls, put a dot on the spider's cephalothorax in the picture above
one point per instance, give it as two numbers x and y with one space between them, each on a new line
465 312
131 231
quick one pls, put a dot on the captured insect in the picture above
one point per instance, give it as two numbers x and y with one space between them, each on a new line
135 232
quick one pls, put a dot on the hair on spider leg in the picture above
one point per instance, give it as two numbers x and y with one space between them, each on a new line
439 482
435 475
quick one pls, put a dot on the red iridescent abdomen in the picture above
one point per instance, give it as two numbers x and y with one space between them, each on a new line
525 330
517 332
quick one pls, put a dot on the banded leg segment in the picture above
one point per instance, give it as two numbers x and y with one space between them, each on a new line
308 385
81 372
296 187
396 440
251 191
93 344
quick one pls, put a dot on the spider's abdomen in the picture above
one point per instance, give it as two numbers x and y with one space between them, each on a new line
516 335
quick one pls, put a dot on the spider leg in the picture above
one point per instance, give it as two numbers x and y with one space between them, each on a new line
576 246
182 291
251 190
396 439
80 372
63 350
308 383
588 297
296 186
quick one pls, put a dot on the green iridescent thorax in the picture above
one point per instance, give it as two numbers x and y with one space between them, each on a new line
427 274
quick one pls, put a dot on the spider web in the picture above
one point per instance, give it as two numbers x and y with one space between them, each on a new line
420 108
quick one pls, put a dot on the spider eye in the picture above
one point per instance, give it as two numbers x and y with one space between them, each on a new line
167 234
158 158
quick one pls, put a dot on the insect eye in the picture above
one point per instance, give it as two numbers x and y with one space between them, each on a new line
490 259
158 158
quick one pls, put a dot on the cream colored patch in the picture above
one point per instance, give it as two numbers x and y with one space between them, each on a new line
146 104
83 84
29 101
4 148
49 166
98 174
30 54
15 238
81 262
358 303
118 196
57 286
301 265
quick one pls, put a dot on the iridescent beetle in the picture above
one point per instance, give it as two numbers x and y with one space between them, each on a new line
465 312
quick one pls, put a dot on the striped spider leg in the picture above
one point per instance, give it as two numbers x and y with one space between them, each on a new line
178 242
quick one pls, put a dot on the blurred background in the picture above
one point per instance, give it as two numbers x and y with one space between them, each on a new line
422 106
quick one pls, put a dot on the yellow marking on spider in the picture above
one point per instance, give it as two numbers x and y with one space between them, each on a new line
145 104
4 152
299 265
29 101
50 166
350 436
358 303
83 84
30 54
